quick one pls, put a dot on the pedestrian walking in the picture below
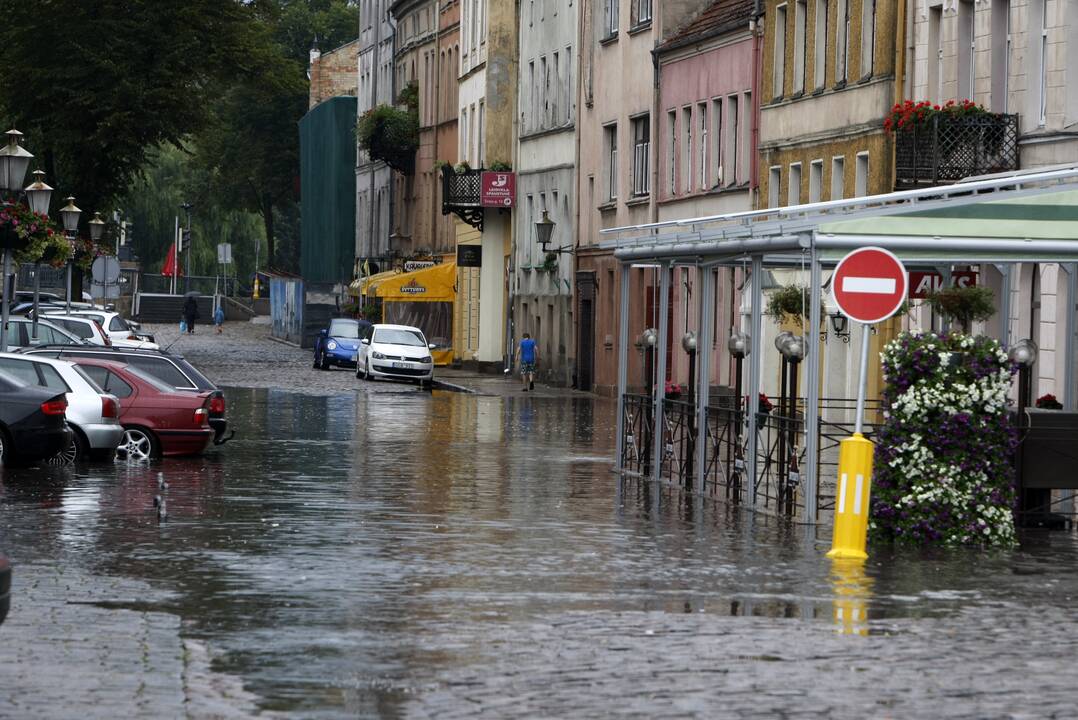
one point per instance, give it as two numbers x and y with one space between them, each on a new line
527 355
219 318
190 313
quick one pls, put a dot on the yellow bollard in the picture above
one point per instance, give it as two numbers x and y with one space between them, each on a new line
851 503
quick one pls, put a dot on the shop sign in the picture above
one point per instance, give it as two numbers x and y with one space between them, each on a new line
413 265
922 284
413 288
470 256
497 189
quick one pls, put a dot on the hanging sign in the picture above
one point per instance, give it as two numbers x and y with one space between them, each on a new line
869 285
497 189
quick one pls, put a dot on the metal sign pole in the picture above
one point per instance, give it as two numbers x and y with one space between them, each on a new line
862 379
6 300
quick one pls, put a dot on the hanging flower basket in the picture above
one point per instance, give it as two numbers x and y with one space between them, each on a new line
21 227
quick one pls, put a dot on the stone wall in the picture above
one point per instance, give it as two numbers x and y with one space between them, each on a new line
334 73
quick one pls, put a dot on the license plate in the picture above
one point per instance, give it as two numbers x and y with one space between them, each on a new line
401 365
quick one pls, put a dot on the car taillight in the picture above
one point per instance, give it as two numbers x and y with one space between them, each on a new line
109 407
202 416
217 405
132 337
56 406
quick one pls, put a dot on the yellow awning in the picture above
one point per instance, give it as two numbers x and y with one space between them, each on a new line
433 284
367 285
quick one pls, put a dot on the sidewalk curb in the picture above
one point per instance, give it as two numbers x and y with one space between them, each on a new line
453 387
284 342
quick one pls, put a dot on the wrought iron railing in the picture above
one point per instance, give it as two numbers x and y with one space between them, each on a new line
948 149
638 438
460 195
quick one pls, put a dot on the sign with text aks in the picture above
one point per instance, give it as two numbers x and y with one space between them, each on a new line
923 284
869 285
497 189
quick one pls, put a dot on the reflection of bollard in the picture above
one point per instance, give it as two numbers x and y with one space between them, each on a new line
852 593
851 504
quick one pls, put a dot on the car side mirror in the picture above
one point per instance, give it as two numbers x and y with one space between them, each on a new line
431 346
366 341
323 332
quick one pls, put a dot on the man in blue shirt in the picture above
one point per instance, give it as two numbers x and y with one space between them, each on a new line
528 356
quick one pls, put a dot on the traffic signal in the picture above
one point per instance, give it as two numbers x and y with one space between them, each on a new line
185 240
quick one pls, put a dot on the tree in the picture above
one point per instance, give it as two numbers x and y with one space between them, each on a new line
252 147
98 85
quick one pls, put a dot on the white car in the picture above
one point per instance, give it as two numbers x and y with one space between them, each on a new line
117 328
398 352
84 328
93 414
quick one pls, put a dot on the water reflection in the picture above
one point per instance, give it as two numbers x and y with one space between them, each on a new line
388 554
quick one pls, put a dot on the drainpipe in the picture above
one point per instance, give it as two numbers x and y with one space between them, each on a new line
654 124
757 69
392 101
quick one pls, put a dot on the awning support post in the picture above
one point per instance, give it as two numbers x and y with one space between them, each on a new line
623 369
658 428
752 403
705 342
813 348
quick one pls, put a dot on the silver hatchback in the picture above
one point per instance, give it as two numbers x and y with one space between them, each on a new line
93 414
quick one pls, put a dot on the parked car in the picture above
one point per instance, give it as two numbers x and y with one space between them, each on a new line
86 329
122 332
20 334
157 419
33 426
395 351
5 587
337 344
168 367
27 296
92 414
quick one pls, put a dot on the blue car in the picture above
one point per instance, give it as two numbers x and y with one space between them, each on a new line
337 344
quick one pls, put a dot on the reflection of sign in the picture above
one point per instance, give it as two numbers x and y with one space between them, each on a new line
413 288
413 265
869 285
470 256
497 189
923 283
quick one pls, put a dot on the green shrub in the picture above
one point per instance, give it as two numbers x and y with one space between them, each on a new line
390 135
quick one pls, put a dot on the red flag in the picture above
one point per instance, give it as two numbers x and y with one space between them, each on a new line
172 265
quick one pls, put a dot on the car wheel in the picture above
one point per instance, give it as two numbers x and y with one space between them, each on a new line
317 362
77 451
138 444
5 447
367 372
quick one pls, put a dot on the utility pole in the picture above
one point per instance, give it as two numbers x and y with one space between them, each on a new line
187 241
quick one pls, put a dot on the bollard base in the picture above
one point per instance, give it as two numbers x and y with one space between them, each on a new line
851 504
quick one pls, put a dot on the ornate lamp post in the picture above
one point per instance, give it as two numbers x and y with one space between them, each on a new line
688 344
1024 354
14 161
792 348
739 345
38 195
70 215
649 338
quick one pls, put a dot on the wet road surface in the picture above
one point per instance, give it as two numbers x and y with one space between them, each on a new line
399 554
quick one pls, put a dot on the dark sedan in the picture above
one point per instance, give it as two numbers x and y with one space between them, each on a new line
33 424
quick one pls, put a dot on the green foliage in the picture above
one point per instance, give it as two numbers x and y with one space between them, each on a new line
499 166
409 97
550 263
788 301
390 135
373 312
964 305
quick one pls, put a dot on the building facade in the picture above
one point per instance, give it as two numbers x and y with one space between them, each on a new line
374 208
541 286
334 73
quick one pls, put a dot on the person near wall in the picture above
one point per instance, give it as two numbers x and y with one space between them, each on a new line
190 313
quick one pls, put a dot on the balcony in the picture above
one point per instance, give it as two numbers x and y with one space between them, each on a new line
460 195
945 150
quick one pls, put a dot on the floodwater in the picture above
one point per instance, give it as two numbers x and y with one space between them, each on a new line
401 555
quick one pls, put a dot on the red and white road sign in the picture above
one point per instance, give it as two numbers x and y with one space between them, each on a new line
869 285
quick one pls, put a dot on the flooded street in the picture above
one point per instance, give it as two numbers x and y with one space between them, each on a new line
400 554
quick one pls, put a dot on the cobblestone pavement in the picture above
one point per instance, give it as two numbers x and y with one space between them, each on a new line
245 355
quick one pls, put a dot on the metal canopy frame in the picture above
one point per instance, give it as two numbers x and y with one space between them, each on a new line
796 236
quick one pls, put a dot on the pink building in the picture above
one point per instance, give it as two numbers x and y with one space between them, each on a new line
706 154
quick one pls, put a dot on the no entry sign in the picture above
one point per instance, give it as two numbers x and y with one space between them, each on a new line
869 285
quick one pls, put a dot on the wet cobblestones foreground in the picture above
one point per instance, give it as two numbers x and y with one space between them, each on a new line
397 554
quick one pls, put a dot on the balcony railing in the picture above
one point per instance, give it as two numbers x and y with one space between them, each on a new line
460 195
945 150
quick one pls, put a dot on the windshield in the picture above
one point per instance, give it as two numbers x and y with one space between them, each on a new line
390 336
344 329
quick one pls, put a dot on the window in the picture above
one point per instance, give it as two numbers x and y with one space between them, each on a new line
774 186
819 49
716 140
861 175
966 50
732 153
610 133
52 379
842 41
557 90
702 141
868 36
687 156
21 369
610 18
800 20
641 12
641 155
838 178
778 66
794 192
815 180
1001 53
480 153
671 161
161 369
935 54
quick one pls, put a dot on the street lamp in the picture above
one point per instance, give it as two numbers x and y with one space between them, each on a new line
69 213
14 160
688 344
739 345
648 339
544 231
97 227
1024 354
38 195
838 324
792 348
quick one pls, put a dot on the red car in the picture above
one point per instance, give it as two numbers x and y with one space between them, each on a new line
157 419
